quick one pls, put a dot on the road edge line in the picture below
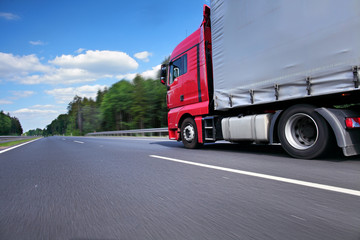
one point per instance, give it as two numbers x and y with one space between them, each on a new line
265 176
16 146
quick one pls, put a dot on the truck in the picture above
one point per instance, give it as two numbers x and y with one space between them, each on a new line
269 72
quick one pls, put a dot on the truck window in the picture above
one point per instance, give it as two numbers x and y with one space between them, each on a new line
178 68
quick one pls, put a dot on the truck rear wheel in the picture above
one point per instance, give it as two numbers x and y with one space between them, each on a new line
189 134
303 133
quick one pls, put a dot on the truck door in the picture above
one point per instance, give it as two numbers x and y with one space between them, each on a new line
190 87
175 95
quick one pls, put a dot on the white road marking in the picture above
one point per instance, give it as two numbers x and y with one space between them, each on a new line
11 148
302 219
270 177
79 142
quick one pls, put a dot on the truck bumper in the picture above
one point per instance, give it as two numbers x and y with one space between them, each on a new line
174 134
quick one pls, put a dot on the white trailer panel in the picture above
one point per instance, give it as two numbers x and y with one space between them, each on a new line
275 50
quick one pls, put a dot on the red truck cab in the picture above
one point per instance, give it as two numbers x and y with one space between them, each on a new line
188 79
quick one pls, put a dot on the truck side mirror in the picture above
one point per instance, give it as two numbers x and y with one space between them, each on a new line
163 73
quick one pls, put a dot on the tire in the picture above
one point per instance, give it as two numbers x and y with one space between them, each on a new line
303 133
189 134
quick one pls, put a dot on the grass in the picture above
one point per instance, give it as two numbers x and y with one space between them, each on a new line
13 143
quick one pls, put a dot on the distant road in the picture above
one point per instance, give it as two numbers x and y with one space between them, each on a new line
150 188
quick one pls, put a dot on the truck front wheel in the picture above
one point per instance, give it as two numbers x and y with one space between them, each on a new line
303 133
189 134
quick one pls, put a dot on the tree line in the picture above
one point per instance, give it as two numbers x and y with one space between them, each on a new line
125 105
9 125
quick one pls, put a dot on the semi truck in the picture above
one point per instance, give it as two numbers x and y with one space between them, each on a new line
269 72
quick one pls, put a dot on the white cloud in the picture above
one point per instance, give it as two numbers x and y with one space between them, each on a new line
22 94
129 76
37 43
47 106
4 101
15 96
151 73
35 111
62 75
99 62
80 50
66 69
9 16
144 56
16 67
37 116
147 74
66 95
70 69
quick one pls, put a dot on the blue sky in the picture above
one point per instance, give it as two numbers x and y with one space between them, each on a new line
51 50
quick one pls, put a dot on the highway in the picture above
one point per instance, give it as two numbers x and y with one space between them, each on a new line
109 188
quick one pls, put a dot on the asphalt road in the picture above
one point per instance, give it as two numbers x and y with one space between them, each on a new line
134 188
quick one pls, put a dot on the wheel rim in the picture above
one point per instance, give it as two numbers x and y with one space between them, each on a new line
189 133
301 131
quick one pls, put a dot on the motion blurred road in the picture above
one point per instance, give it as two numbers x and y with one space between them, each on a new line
151 188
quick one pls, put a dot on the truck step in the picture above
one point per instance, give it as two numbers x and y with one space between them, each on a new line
209 129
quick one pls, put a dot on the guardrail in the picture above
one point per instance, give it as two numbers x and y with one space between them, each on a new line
12 138
136 132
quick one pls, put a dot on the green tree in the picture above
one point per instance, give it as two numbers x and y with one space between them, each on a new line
116 106
36 132
75 111
16 128
9 125
90 115
100 96
5 124
139 103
